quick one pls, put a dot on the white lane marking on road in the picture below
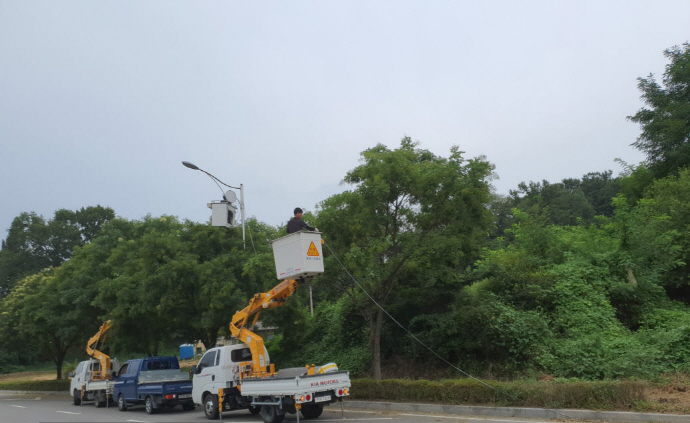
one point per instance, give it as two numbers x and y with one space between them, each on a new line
18 406
67 412
137 421
474 419
352 411
356 420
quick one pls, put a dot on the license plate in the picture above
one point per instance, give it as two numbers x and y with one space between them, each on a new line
322 399
185 396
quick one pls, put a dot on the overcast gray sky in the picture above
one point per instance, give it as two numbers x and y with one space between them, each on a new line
101 101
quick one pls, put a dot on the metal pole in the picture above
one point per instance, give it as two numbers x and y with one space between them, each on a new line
311 302
244 242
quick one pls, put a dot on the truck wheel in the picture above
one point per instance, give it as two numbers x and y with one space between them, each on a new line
311 411
254 410
150 408
211 407
121 403
270 414
77 397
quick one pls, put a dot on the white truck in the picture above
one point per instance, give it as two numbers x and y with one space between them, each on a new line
218 375
83 387
92 379
242 376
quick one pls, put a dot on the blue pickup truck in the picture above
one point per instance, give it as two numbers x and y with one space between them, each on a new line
154 382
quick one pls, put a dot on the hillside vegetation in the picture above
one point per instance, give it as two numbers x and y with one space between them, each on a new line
585 278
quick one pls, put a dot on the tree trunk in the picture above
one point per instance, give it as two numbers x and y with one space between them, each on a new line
375 338
58 351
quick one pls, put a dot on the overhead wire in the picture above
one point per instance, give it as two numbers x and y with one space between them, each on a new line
434 352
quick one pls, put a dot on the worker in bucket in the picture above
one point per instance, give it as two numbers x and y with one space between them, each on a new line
296 224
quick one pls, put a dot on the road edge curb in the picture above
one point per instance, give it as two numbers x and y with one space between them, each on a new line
530 413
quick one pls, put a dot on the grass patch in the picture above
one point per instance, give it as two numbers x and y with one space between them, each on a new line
36 385
607 395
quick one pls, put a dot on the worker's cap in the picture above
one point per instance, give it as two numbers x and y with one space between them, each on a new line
298 210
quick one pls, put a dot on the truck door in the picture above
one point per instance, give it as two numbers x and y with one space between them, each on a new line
128 380
204 379
79 376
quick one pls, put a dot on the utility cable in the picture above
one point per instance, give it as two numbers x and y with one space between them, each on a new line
434 352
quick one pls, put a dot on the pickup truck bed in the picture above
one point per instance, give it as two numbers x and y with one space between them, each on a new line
154 382
291 386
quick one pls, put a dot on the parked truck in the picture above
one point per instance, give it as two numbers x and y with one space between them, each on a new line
155 382
242 377
92 379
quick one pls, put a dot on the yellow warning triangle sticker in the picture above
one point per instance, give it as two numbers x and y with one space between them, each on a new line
312 251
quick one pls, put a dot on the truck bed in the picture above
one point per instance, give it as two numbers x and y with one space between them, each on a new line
288 386
160 376
99 385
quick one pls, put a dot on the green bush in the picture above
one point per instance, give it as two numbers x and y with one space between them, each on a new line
69 367
593 395
7 361
36 385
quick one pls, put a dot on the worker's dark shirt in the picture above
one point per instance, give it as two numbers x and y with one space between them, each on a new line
296 225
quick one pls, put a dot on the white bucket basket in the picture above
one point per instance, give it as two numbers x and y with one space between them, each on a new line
298 255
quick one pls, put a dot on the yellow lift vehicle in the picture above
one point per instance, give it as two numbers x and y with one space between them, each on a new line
103 372
241 376
92 379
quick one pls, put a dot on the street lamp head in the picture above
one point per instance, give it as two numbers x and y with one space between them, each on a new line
190 165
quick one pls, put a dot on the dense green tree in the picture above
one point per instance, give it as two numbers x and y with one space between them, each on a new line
45 314
665 122
34 244
408 210
569 202
666 209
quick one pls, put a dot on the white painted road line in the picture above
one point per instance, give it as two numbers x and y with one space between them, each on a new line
356 420
18 406
137 421
67 412
473 419
352 411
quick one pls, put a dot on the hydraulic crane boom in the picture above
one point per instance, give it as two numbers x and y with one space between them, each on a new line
274 298
91 348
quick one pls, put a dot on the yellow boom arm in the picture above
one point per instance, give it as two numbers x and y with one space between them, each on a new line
104 372
274 298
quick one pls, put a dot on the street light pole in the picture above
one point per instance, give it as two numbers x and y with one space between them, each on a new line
216 180
244 243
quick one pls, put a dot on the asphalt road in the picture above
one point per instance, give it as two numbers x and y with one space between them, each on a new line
57 408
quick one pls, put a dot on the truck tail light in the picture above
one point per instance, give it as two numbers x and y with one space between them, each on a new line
170 396
303 398
342 392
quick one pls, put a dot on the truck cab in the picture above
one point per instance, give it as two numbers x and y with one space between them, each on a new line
220 368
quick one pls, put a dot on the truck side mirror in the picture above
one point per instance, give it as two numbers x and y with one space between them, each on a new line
195 370
70 375
114 375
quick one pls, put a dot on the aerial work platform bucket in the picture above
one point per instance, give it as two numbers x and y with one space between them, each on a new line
298 255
